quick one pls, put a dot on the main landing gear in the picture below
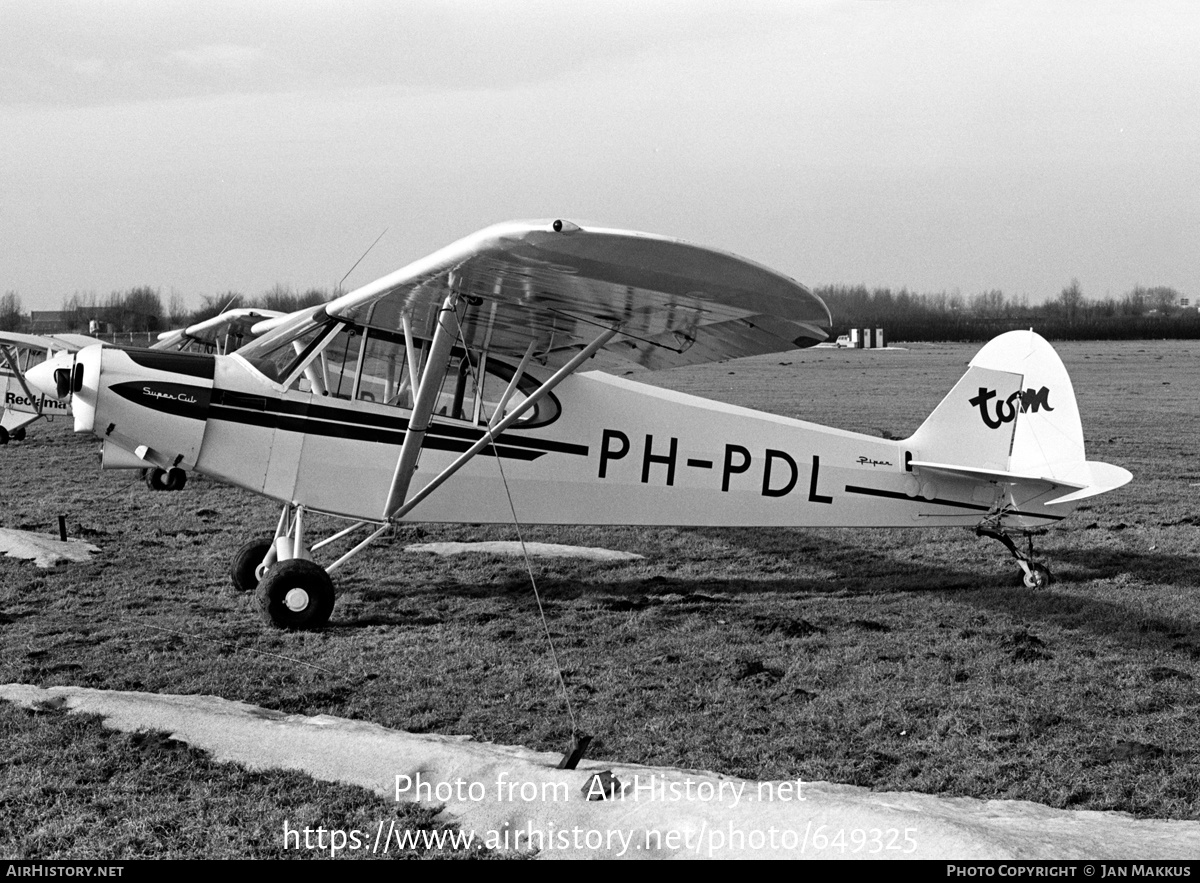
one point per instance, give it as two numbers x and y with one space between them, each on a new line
243 569
296 594
1033 574
293 591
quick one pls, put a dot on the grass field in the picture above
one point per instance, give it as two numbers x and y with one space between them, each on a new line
897 660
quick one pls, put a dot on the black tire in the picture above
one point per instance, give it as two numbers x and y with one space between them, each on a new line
18 434
242 570
296 595
172 479
1038 578
3 436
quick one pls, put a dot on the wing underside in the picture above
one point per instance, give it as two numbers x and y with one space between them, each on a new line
37 342
558 286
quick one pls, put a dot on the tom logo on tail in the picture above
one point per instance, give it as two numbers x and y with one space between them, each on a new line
454 390
1006 410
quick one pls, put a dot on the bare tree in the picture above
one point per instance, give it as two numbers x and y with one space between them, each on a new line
142 308
990 303
177 310
11 318
1162 298
1071 299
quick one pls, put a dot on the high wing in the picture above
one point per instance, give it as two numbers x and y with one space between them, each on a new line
47 342
222 333
557 285
73 342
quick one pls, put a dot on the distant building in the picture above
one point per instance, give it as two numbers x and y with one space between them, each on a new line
49 321
866 338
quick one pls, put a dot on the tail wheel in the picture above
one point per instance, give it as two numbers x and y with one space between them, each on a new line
243 568
1037 578
297 595
166 479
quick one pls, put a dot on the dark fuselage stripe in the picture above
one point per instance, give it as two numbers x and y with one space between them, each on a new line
263 411
317 419
358 432
191 364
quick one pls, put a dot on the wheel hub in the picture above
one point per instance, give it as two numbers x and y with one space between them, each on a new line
296 600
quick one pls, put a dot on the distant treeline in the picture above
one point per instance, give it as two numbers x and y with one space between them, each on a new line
1142 313
141 309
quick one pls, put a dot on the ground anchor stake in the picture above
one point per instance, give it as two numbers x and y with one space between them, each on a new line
579 744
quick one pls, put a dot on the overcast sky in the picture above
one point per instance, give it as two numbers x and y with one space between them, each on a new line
201 147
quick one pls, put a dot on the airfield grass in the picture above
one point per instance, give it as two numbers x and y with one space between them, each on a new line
896 660
74 789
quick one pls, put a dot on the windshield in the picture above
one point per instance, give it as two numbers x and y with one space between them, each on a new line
280 350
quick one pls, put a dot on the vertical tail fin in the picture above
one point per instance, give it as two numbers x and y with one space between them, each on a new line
1014 412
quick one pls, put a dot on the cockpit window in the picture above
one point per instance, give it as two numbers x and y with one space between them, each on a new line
384 376
370 365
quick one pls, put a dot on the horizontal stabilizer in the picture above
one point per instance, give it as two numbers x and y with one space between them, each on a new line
1100 478
1088 479
997 475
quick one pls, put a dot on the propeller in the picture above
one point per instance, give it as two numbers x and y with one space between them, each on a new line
68 380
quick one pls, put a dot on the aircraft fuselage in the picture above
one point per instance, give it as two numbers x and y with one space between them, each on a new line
614 452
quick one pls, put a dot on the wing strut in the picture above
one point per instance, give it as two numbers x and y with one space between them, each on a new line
34 400
498 414
402 508
425 397
411 353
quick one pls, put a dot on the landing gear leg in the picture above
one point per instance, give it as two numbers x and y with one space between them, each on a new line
1033 574
293 591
